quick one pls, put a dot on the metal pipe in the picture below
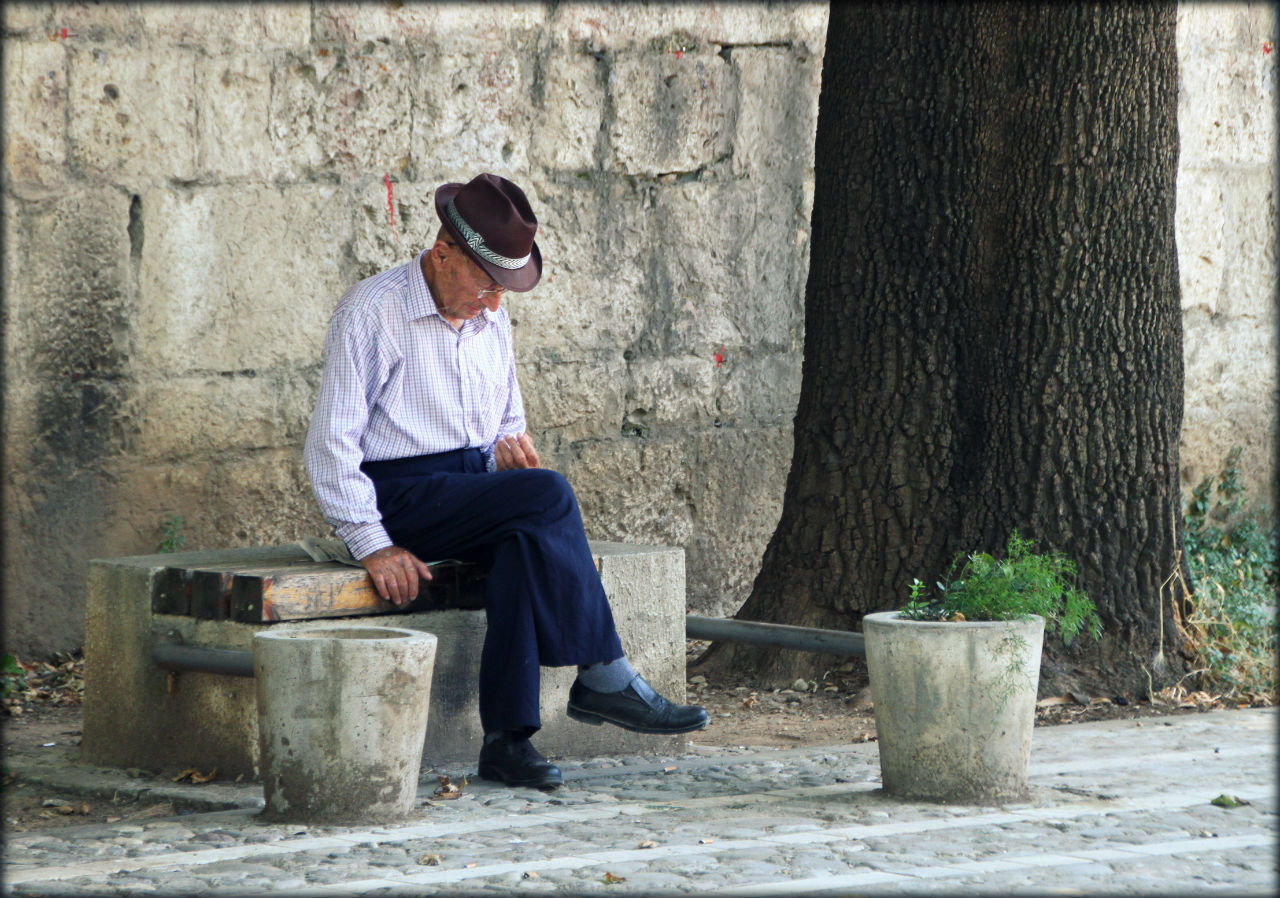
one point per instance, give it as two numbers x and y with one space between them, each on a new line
231 662
173 656
783 636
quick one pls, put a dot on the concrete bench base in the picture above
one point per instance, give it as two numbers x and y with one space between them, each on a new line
137 715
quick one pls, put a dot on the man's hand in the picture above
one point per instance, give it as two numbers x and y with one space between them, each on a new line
395 573
515 452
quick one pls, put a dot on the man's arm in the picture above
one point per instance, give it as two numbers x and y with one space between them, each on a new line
513 447
333 454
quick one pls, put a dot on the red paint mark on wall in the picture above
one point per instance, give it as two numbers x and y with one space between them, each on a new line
391 204
719 357
61 34
1267 46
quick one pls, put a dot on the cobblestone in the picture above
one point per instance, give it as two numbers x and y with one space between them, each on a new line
1115 807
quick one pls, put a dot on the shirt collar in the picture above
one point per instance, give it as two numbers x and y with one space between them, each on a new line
420 304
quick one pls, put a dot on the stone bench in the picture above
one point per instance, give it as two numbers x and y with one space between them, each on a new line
138 715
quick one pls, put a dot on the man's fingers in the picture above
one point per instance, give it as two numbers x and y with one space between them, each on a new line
424 569
530 454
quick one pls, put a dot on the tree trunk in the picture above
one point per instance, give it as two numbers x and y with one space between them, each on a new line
992 324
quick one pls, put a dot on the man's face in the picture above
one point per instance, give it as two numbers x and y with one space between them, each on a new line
462 289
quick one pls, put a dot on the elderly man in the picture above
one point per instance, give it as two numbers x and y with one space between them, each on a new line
417 450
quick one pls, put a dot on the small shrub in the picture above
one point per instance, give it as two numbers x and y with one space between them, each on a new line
174 537
1232 551
1014 588
13 679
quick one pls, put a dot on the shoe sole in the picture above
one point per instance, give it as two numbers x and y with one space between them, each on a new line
596 720
492 773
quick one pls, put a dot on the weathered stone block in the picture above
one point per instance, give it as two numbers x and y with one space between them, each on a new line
617 25
727 270
27 19
1200 222
567 125
676 392
123 128
462 23
217 413
68 286
235 109
133 719
265 26
630 485
216 292
378 243
739 399
473 108
568 400
717 493
235 498
35 113
347 112
670 114
778 112
1226 84
1250 286
85 22
595 242
1231 396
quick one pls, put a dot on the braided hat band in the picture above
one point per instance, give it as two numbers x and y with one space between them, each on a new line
476 242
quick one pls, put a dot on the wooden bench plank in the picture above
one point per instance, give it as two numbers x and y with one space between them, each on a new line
293 589
204 592
308 592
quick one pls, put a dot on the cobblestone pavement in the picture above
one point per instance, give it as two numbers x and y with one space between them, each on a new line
1118 807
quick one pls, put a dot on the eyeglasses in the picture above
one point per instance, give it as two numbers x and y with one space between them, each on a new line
494 288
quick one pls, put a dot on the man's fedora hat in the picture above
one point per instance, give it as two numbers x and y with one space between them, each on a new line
491 219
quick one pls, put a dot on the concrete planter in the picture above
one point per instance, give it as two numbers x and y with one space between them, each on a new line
342 714
954 706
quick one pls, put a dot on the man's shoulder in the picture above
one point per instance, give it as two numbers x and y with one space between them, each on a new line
370 296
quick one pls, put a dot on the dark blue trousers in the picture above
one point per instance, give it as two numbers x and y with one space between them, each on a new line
544 601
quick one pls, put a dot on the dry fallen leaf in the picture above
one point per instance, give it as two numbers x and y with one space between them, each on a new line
610 879
447 789
1053 700
430 860
648 843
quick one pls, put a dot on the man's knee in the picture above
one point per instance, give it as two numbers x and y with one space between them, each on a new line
550 485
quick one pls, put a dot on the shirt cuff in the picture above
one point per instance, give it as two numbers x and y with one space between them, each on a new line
364 539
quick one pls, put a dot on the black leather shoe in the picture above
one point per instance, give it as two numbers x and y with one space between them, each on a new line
514 761
636 708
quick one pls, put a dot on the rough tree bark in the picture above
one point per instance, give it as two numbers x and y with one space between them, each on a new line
992 326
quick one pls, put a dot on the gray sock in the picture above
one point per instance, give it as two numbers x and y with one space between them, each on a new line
608 676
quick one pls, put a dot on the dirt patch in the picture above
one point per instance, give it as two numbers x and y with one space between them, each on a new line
839 708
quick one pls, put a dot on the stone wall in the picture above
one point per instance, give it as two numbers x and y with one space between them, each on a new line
1226 232
189 188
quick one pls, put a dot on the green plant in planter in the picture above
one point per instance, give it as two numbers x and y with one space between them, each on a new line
978 587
